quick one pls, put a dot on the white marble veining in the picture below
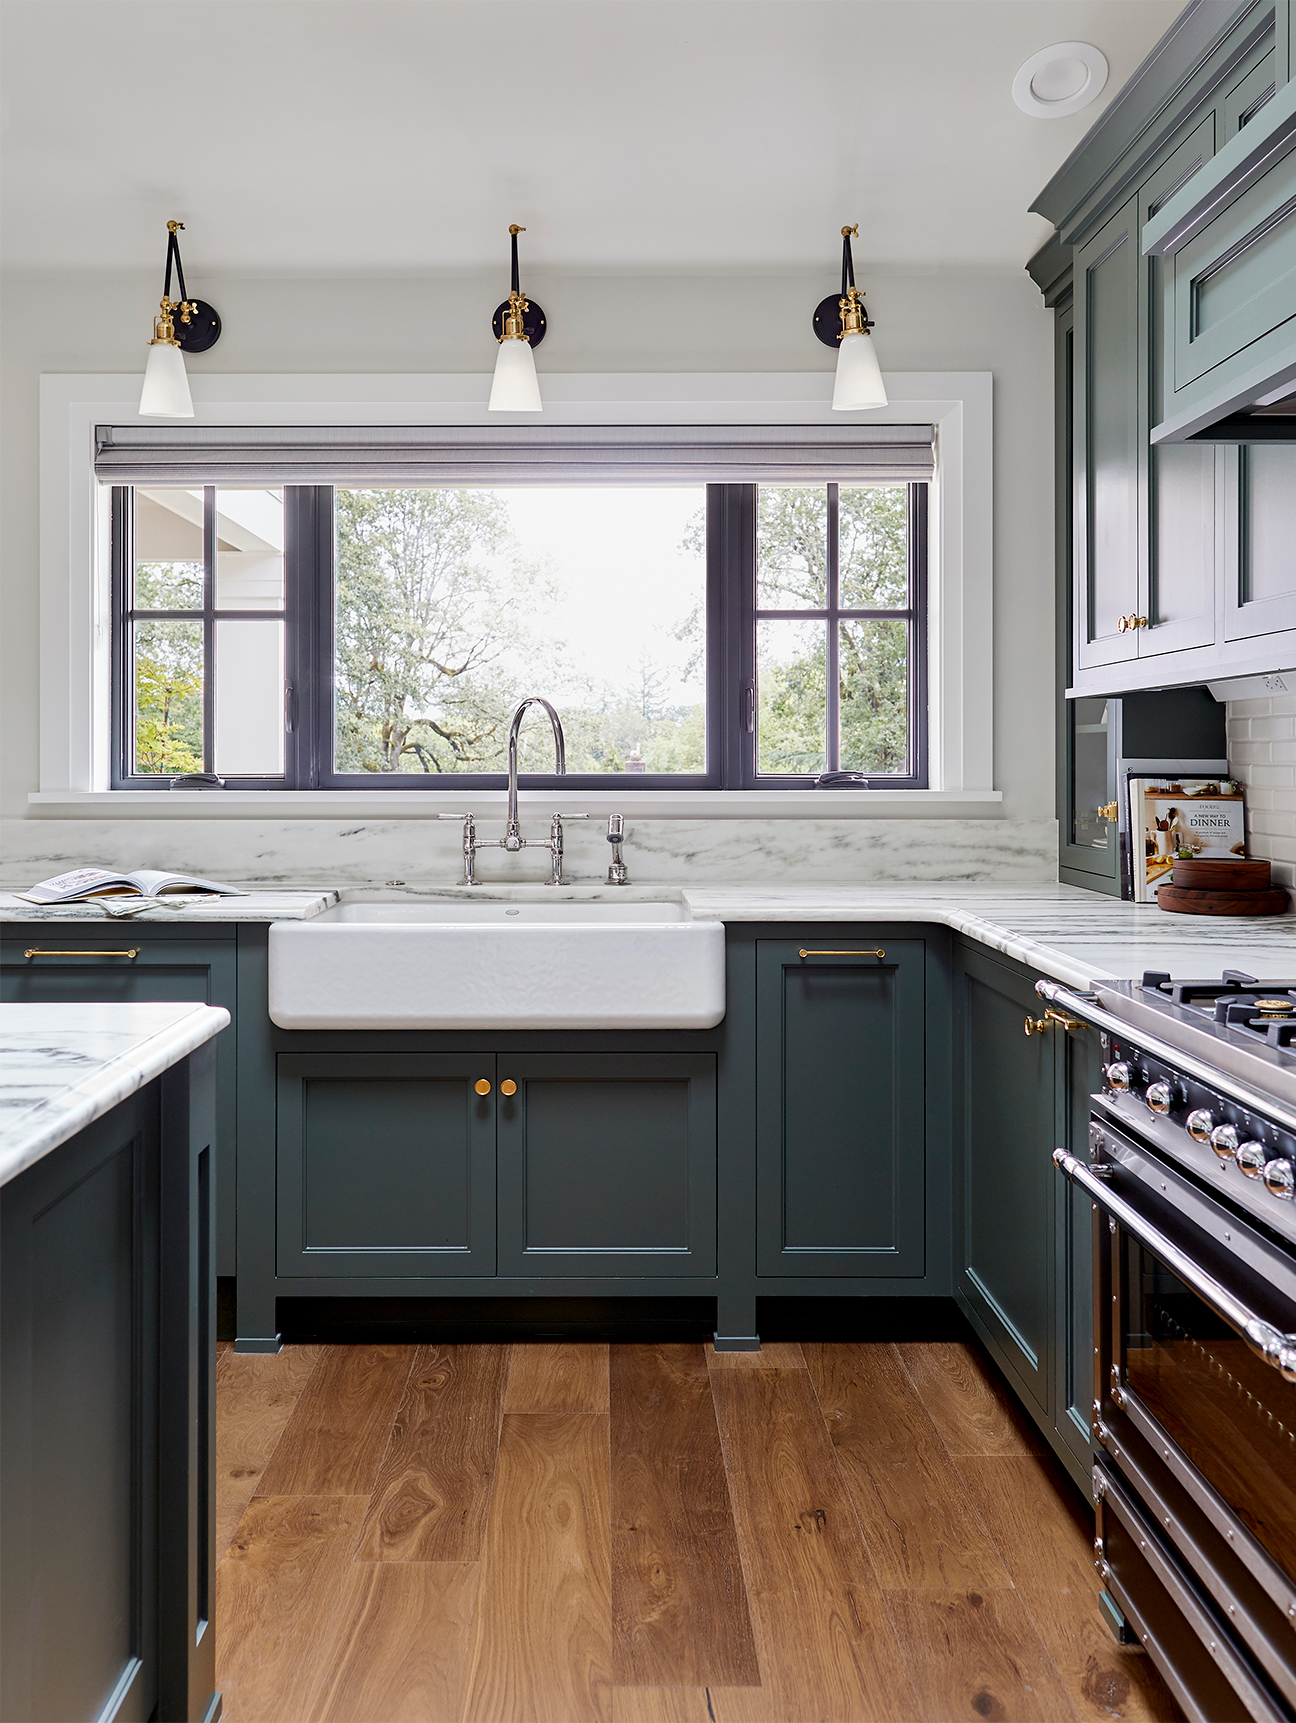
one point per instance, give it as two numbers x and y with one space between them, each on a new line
63 1066
1073 935
287 854
256 906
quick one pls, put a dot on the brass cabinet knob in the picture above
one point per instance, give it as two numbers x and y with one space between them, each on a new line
1123 623
482 1086
1108 811
1037 1025
508 1087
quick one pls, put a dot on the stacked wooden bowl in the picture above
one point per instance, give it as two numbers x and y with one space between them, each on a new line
1222 888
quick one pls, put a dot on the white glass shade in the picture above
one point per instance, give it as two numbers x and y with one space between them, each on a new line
515 388
166 387
859 377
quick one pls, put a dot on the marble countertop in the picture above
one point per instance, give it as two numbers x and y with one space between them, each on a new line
63 1066
1075 936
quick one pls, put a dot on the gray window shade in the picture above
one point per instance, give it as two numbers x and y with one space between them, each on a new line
516 455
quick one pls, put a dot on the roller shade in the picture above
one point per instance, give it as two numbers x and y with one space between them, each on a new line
512 455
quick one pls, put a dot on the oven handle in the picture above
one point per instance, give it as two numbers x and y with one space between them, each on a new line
1266 1341
1222 1081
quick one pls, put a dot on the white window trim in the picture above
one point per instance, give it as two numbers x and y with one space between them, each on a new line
75 575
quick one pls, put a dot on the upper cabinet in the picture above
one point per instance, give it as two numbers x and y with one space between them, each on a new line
1180 555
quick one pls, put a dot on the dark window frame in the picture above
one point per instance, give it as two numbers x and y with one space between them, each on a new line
731 610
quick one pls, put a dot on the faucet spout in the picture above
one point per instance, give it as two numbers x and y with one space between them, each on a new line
513 835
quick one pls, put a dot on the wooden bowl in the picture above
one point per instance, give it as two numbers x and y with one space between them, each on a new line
1232 874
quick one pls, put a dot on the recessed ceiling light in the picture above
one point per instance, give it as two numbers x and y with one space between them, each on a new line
1060 80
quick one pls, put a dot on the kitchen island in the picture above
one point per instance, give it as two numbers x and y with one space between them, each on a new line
107 1359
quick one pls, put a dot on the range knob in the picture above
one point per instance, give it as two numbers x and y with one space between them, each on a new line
1279 1179
1118 1077
1252 1159
1224 1141
1200 1123
1158 1097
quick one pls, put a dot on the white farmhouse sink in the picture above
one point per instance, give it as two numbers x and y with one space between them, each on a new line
498 964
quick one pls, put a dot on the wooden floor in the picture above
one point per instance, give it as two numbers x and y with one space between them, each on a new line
650 1534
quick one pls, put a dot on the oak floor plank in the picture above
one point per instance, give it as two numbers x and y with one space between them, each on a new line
968 1405
1045 1532
911 1502
542 1631
773 1355
679 1607
277 1592
558 1376
255 1396
338 1432
399 1647
975 1655
433 1487
823 1638
665 1705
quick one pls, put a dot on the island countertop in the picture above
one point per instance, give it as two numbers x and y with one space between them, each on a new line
1075 936
63 1066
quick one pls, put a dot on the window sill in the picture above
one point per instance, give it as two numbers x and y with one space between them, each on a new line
424 804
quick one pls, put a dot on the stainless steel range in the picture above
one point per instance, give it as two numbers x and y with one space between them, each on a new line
1192 1173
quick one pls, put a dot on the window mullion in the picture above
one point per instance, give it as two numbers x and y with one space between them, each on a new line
832 715
209 628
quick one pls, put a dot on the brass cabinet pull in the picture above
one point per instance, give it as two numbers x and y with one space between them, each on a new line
1109 811
804 953
508 1087
1037 1025
1123 623
482 1086
35 951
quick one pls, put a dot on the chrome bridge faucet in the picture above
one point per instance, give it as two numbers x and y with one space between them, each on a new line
513 841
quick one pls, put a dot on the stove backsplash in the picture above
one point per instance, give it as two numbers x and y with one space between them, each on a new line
1262 755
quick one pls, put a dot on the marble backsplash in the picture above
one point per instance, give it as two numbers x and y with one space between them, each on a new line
423 852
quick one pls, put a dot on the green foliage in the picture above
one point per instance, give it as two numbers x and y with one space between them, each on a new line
168 697
873 662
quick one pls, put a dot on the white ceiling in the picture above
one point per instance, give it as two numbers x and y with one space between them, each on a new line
354 135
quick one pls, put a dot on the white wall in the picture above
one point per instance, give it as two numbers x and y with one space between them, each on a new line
925 322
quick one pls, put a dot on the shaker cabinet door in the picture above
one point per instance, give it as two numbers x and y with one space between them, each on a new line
840 1132
386 1164
1106 443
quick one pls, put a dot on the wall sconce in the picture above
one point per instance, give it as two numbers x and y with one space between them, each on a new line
843 323
519 326
183 325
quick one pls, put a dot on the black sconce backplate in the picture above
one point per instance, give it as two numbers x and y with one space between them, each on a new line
827 320
533 321
201 331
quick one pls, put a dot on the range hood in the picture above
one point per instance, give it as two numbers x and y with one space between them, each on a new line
1227 239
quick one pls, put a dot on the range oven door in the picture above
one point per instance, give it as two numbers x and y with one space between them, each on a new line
1195 1425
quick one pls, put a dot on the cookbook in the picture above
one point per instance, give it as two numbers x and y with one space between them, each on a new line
99 882
1181 819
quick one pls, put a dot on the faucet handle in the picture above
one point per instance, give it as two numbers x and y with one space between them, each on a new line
570 816
460 817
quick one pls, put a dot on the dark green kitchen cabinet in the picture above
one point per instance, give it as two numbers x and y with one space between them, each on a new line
107 1417
840 1099
607 1163
385 1164
1022 1237
128 963
1004 1115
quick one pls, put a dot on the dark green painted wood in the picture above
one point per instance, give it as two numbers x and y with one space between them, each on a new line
1079 1060
79 1432
256 1040
1106 441
386 1164
198 965
607 1163
1004 1104
841 1163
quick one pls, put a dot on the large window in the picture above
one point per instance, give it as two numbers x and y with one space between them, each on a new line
690 635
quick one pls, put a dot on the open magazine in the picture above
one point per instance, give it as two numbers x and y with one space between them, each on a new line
85 882
1177 819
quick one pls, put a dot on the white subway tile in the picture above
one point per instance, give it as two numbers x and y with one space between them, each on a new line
1273 777
1273 729
1249 708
